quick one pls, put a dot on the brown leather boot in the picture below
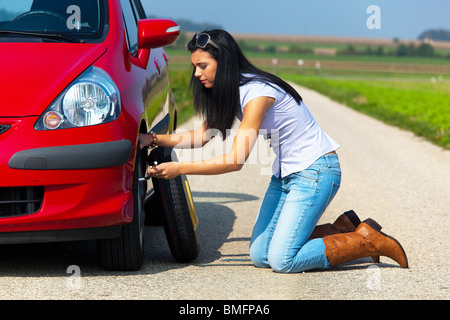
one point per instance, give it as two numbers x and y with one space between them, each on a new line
364 242
346 222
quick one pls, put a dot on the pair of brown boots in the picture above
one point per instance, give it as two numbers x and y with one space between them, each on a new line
348 239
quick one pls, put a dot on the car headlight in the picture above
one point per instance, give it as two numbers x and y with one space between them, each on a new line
93 98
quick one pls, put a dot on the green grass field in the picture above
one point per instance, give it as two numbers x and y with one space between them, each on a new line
416 105
415 99
179 80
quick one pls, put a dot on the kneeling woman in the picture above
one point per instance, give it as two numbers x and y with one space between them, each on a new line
306 172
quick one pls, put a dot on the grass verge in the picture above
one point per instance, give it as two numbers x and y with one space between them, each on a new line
419 106
180 80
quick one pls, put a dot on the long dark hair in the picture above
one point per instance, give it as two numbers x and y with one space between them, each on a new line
219 104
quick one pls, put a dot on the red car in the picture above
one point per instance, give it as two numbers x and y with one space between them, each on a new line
80 79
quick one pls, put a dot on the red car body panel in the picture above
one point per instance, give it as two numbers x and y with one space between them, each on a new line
33 76
27 68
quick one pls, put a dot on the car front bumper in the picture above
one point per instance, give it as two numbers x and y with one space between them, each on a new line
74 157
87 184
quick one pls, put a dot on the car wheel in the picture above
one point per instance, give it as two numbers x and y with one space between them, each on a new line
126 253
179 217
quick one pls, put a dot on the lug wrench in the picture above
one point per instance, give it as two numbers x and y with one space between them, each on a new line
148 177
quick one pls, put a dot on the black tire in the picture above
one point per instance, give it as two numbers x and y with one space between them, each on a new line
126 253
154 211
179 217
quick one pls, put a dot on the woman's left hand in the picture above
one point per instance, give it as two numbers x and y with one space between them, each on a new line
144 140
165 170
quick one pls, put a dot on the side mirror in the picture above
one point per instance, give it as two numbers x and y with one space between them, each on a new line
154 33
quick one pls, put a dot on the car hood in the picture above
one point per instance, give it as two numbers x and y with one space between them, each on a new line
33 74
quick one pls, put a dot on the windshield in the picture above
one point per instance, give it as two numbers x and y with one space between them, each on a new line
50 20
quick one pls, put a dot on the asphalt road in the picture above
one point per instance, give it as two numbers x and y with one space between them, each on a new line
389 175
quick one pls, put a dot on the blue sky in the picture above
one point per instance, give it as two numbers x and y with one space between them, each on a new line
404 19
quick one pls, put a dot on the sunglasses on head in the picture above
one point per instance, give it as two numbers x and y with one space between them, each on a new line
203 39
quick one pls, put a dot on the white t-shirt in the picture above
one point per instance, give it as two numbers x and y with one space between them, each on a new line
296 138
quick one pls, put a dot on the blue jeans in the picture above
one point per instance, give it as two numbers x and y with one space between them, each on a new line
290 210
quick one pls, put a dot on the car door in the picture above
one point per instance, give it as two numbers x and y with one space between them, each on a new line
154 84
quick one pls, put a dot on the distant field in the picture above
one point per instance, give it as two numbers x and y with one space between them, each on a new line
335 67
303 39
288 50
